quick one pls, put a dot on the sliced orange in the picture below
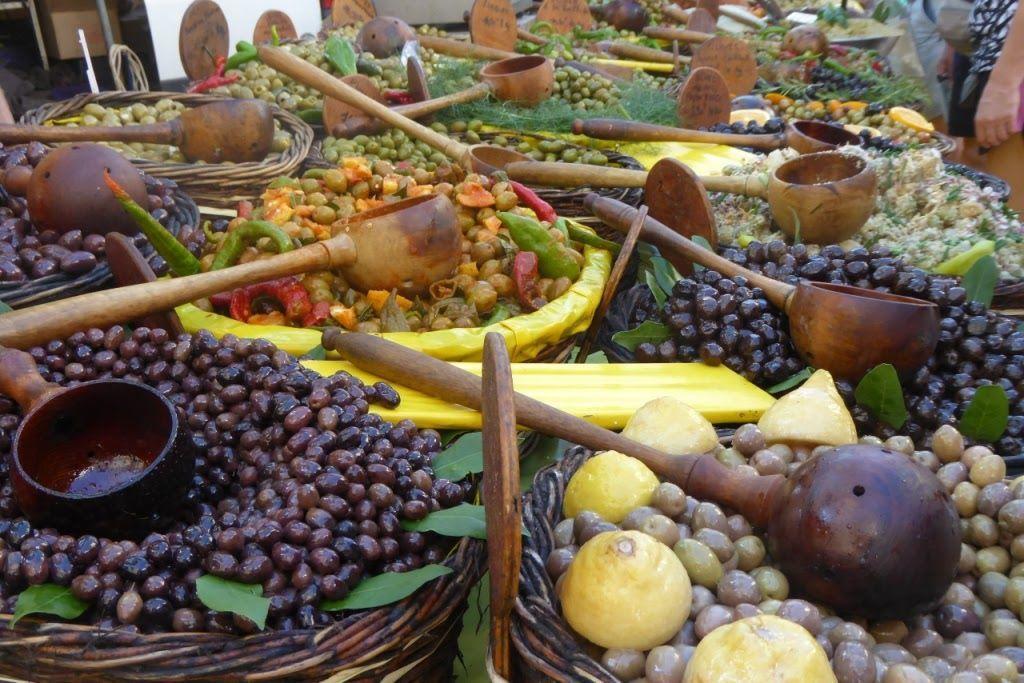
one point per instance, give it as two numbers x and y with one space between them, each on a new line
748 115
911 119
774 97
815 106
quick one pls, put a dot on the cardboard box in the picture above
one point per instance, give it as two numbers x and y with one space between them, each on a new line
61 19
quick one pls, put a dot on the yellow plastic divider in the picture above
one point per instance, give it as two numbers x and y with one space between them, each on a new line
604 394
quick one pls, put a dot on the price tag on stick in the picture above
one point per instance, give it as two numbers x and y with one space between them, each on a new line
492 23
710 6
702 21
263 33
345 12
565 15
732 58
704 99
202 38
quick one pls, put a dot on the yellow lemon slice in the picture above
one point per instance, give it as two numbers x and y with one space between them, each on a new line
911 119
857 128
748 115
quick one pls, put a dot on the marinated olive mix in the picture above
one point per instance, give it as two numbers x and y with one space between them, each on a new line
974 635
297 487
27 254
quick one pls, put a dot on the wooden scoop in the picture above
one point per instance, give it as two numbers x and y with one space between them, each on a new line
803 136
862 529
526 80
107 456
28 327
843 329
232 130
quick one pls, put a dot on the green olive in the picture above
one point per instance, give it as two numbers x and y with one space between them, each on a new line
700 561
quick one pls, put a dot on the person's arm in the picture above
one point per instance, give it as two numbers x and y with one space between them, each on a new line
999 107
5 110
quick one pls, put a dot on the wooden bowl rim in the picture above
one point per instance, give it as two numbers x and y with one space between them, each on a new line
857 166
808 127
391 209
868 294
511 67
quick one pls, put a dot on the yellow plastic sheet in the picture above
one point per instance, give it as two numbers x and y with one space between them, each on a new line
526 335
606 395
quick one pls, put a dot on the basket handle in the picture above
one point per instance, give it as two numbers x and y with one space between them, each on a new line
501 494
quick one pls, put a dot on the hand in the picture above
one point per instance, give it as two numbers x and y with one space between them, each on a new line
944 68
996 118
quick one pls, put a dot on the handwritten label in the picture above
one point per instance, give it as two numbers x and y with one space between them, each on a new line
268 20
203 37
346 12
492 23
675 197
703 99
710 6
702 21
733 59
565 15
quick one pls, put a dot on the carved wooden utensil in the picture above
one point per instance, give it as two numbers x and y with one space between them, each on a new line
862 529
232 130
843 329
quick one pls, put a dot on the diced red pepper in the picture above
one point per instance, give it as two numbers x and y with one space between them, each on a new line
318 316
525 274
398 97
288 292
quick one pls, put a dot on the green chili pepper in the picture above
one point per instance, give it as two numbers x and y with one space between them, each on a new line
312 116
580 234
179 259
562 226
283 181
501 312
529 235
244 52
247 233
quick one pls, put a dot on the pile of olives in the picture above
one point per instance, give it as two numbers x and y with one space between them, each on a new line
584 90
974 635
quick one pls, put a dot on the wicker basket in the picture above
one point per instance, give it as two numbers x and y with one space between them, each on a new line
415 639
182 216
214 184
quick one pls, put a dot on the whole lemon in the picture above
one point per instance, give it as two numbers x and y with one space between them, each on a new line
672 426
625 589
610 484
764 648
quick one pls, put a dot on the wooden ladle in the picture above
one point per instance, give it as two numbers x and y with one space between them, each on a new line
803 136
860 528
107 456
843 329
526 80
232 130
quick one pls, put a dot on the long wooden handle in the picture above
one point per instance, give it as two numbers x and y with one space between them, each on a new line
737 14
619 216
20 379
557 174
36 325
460 48
503 510
619 129
675 12
621 48
681 34
426 107
523 34
320 80
160 133
747 185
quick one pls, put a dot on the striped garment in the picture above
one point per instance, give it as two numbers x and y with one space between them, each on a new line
989 23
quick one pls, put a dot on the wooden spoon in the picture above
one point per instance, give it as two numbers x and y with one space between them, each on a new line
463 49
232 130
859 528
803 136
843 329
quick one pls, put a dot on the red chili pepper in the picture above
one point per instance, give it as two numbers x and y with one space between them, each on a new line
525 274
532 201
222 300
398 97
288 291
316 317
878 66
216 79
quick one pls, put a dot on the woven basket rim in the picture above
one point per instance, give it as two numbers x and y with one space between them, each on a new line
223 178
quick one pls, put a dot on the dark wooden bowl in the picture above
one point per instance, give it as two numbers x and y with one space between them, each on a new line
808 137
62 468
526 80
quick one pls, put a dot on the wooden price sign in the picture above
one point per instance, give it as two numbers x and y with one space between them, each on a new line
565 15
345 12
337 113
702 21
263 33
732 58
202 38
703 99
676 197
492 23
711 6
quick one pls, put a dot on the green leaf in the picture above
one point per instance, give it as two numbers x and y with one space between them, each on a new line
665 273
449 435
461 520
4 308
980 280
648 331
245 600
460 459
546 451
386 588
697 239
793 380
318 352
986 415
652 283
340 54
48 598
881 393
